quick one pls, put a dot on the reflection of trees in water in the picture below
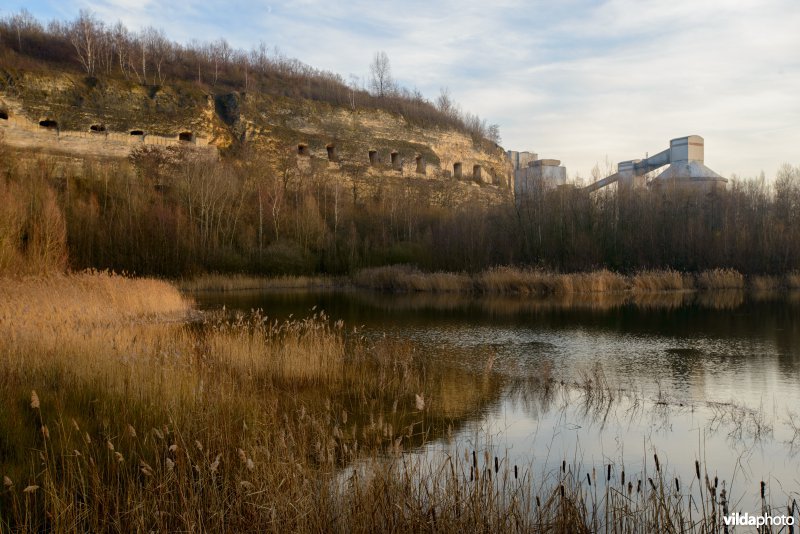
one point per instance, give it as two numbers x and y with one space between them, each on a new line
515 305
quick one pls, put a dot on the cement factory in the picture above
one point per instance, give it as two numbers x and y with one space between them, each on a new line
686 171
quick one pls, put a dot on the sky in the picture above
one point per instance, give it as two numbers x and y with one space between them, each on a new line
584 81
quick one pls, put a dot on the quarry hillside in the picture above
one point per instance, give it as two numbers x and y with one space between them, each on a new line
70 114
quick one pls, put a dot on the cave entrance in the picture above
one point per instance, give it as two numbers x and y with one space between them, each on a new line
187 137
138 133
395 158
331 152
476 173
302 149
97 128
3 115
48 124
420 161
373 157
457 170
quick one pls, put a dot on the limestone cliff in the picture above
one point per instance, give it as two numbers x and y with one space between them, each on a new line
88 116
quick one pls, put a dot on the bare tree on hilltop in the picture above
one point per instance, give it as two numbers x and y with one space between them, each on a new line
381 75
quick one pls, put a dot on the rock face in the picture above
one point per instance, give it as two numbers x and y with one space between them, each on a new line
71 114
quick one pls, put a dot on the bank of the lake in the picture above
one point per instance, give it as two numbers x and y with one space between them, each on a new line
505 280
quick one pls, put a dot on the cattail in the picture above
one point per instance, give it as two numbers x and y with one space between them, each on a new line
474 460
515 472
697 469
31 488
630 487
623 477
658 467
34 404
763 488
588 479
45 432
652 484
538 502
496 465
639 486
716 482
677 485
608 475
7 482
145 468
562 490
563 466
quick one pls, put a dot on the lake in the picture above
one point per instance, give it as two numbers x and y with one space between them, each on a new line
708 377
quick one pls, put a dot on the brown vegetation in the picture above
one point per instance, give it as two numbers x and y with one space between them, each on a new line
537 282
173 213
116 420
238 282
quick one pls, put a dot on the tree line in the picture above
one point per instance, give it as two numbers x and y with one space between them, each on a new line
89 45
168 211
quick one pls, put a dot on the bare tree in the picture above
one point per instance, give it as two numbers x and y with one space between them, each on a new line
493 134
159 47
84 35
23 22
444 102
220 53
381 75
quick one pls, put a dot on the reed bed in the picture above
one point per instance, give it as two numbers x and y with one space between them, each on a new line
508 280
504 280
240 282
793 280
764 283
666 280
116 420
402 278
720 279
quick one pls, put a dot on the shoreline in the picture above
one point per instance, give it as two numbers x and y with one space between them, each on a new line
402 279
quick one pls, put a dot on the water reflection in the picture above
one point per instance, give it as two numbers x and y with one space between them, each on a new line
710 376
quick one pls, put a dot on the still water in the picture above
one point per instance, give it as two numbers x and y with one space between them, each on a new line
707 377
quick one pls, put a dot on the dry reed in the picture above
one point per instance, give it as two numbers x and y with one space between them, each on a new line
720 279
764 283
118 421
240 282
